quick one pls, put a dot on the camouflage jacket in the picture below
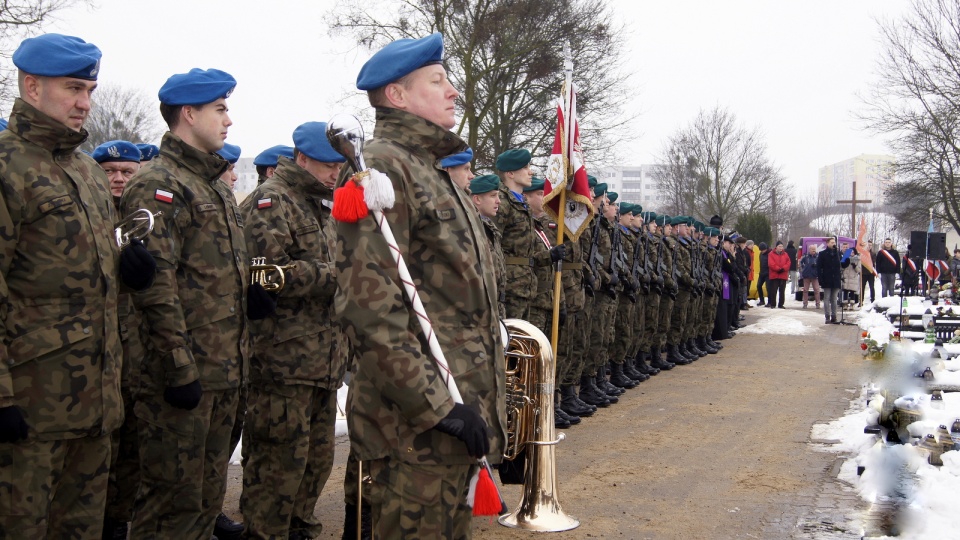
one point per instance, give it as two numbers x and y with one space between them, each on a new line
627 246
571 270
61 354
194 315
683 263
287 220
653 255
669 253
592 268
519 243
499 269
398 393
606 251
545 274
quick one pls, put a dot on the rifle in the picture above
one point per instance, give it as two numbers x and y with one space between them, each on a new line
594 259
676 274
661 268
616 261
643 271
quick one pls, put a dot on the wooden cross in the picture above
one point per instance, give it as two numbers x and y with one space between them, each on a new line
853 209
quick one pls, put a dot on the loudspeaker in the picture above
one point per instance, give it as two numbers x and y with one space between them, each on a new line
937 248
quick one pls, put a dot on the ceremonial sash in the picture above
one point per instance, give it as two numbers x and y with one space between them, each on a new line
543 237
889 257
913 265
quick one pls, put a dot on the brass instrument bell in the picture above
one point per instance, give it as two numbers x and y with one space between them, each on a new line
138 225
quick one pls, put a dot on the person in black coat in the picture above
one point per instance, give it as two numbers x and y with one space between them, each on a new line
888 265
792 252
828 275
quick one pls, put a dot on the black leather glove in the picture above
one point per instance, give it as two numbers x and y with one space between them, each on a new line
589 284
614 280
12 425
260 303
558 253
137 267
184 397
465 424
563 316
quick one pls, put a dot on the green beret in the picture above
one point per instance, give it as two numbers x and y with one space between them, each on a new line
535 185
662 220
677 220
626 209
637 209
591 180
484 183
649 217
698 226
599 189
513 160
715 231
613 196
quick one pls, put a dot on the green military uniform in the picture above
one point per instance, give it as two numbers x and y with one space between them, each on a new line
603 318
626 306
541 307
681 308
653 299
298 362
193 318
420 474
514 221
643 283
125 459
670 287
499 269
61 360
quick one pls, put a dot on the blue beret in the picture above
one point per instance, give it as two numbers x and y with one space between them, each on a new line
229 152
457 159
484 183
197 87
513 160
399 59
311 140
599 189
270 156
612 196
148 151
535 185
3 123
116 151
57 55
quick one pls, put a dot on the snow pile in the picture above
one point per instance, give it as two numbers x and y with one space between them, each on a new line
778 324
894 302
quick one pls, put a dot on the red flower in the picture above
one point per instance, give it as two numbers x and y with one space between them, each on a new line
896 333
863 346
863 334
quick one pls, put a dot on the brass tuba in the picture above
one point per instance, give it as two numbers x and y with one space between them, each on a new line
531 368
261 272
138 225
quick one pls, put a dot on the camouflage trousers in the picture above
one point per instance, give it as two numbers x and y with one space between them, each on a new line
602 323
623 331
516 307
124 464
692 320
666 316
678 321
54 489
651 316
288 448
183 465
410 502
639 321
571 345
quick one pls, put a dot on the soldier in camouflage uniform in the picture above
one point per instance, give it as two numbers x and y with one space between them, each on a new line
658 291
196 350
459 168
61 360
603 318
486 198
626 303
120 160
671 289
678 320
419 447
634 366
298 362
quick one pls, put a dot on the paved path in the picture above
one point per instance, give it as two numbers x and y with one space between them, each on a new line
718 449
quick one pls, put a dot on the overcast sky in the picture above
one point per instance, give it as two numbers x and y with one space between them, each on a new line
794 68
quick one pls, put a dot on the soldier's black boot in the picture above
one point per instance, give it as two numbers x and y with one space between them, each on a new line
693 347
705 346
619 379
562 415
605 385
559 421
683 352
592 395
350 523
631 368
640 364
584 404
657 360
715 344
226 528
674 356
571 405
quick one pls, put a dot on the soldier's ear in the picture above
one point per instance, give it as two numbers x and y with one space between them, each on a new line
30 88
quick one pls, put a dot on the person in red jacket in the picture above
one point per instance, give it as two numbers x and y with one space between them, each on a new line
778 263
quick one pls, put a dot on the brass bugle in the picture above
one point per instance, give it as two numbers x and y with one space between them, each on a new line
262 273
136 226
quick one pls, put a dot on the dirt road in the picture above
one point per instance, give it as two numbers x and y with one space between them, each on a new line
718 449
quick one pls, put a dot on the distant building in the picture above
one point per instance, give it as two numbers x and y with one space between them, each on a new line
246 178
635 184
873 174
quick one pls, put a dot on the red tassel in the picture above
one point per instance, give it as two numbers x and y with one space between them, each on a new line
487 501
348 204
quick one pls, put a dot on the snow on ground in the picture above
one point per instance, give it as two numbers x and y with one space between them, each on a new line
900 475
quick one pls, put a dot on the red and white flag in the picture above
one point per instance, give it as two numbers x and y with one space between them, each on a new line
567 174
932 268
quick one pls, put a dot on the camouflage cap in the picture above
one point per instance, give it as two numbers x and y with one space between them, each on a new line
484 184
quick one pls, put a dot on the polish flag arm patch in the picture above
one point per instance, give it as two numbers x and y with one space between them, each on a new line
164 196
264 203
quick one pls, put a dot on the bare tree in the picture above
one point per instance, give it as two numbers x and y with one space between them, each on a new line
122 113
916 102
505 58
19 19
716 166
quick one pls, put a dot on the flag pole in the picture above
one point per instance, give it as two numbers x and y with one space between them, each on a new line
568 173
